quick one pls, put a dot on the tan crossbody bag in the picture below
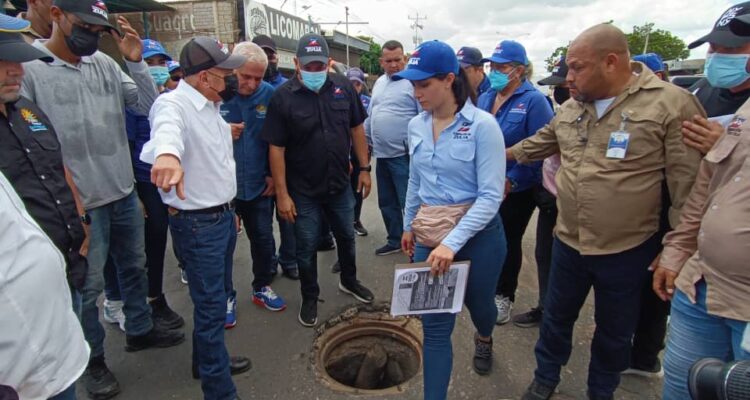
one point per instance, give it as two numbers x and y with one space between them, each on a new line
433 223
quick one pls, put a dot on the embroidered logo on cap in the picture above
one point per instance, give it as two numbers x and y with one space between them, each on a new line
34 124
313 46
728 16
414 59
100 8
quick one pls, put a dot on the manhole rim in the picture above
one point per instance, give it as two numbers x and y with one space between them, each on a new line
402 330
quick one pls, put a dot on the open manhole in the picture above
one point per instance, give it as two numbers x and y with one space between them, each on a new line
366 351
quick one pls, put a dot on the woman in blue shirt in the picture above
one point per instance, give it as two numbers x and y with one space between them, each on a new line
457 160
520 110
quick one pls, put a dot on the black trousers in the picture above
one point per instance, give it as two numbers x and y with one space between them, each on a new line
515 212
157 224
545 227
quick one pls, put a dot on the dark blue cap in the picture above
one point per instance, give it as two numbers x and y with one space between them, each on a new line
508 51
559 72
429 59
469 56
153 48
652 60
355 74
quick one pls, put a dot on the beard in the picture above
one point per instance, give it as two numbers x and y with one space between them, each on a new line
9 95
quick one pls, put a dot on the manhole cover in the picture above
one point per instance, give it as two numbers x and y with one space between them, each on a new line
366 351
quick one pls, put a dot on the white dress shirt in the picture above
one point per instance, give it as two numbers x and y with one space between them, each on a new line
42 348
186 124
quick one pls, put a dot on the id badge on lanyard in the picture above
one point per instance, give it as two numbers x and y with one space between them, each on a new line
617 148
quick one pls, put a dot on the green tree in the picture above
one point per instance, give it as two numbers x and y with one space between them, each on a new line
370 61
662 42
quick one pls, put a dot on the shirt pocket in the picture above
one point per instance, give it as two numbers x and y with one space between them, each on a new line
646 135
46 140
464 151
722 149
569 131
513 128
340 113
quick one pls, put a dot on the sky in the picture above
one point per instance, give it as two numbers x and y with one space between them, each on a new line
540 25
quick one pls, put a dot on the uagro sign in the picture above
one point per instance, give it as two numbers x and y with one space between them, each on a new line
285 29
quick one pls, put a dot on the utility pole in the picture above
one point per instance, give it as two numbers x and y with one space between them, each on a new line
346 21
417 26
648 35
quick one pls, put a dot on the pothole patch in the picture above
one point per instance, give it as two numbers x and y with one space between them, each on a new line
364 350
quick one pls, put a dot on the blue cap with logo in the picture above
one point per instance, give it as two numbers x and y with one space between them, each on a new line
429 59
153 48
508 51
173 65
469 56
652 60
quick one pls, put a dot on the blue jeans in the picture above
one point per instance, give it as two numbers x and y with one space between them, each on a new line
617 280
287 256
696 334
339 211
67 394
392 176
205 245
486 251
257 216
116 235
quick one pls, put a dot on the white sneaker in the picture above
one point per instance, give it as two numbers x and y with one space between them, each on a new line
113 314
504 307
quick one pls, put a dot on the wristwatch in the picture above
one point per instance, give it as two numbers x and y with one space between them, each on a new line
367 168
86 219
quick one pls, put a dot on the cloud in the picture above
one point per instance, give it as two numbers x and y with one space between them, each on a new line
540 25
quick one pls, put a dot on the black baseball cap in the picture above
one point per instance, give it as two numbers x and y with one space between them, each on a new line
93 12
265 42
469 56
559 72
312 47
203 52
740 25
12 46
721 34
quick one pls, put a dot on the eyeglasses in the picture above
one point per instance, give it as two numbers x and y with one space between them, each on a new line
217 75
175 78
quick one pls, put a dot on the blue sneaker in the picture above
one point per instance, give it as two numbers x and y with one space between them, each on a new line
231 320
267 298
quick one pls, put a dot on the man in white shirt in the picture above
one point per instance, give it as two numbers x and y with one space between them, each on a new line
191 151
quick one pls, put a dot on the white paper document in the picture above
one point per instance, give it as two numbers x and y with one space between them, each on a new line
415 291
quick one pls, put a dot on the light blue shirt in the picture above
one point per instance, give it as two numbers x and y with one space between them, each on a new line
466 165
392 106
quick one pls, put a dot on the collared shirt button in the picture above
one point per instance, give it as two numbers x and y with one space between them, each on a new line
42 177
714 207
68 226
737 179
27 151
57 202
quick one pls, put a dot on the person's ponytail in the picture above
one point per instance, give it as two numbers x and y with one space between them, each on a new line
462 89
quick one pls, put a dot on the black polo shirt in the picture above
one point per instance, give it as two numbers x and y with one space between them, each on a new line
30 158
718 102
315 130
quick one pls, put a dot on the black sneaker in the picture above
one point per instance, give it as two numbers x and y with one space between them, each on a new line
237 365
359 292
99 382
308 312
387 249
646 371
336 267
163 316
327 245
528 319
538 391
359 229
482 355
156 337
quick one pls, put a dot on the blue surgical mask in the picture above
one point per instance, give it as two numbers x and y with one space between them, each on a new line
160 74
727 70
314 80
498 80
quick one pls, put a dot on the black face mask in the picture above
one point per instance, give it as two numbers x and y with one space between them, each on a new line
271 72
561 94
82 42
230 88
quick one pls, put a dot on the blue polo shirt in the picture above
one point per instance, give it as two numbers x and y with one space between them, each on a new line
277 80
525 112
483 86
250 151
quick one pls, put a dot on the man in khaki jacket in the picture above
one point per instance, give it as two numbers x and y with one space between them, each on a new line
618 141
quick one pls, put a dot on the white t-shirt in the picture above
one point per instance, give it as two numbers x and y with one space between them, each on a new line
602 105
42 348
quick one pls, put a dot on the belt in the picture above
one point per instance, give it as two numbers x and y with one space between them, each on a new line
210 210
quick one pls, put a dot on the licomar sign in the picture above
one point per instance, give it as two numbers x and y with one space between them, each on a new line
285 29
